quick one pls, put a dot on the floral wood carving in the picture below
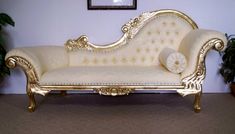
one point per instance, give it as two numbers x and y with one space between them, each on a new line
113 91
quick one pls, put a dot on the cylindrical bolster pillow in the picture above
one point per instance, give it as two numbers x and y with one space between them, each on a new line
173 60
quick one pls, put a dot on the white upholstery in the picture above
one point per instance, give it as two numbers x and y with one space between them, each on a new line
135 63
193 42
165 30
173 60
129 64
44 58
125 75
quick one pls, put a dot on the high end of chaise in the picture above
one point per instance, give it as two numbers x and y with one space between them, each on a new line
159 50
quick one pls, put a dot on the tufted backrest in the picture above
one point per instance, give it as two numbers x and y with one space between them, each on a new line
144 38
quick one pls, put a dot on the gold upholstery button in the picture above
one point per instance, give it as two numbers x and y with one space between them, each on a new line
152 58
149 33
167 32
124 60
95 61
133 59
138 50
173 23
153 41
164 24
156 49
114 60
176 32
104 61
143 59
147 50
85 61
162 41
158 32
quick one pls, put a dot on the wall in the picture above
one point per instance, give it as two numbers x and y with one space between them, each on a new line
52 22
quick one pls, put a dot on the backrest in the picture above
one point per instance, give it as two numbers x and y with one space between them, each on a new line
143 39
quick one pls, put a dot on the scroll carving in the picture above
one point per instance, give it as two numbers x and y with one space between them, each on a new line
80 43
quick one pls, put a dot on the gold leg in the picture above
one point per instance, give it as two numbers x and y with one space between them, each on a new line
32 102
197 103
63 93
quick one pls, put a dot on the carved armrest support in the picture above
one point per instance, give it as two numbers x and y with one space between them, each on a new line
29 70
31 75
193 82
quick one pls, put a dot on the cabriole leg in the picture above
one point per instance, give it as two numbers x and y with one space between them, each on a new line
197 102
32 102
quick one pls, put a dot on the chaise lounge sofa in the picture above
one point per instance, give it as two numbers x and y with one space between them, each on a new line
159 50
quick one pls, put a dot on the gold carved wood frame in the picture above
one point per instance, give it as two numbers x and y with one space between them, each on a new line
191 84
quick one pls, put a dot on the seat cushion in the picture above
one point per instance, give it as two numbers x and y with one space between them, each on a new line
110 75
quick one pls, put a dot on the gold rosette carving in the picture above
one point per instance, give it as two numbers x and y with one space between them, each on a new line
113 91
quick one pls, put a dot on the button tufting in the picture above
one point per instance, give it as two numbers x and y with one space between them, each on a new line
152 58
85 61
156 49
95 61
147 50
133 59
164 23
124 60
143 59
153 41
176 32
167 32
104 61
114 60
158 32
138 50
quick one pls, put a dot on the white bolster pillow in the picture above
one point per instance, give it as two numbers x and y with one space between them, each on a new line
174 61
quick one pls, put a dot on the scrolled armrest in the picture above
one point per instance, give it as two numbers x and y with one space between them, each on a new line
196 44
24 58
37 60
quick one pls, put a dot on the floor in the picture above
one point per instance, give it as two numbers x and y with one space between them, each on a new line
133 114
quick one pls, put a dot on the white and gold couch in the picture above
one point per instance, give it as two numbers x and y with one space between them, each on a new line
129 64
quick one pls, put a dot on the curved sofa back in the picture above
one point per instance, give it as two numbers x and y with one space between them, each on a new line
143 39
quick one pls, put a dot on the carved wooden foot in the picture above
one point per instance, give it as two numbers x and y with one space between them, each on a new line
197 103
63 93
32 102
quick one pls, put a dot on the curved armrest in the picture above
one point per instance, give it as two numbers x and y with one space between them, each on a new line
196 44
37 59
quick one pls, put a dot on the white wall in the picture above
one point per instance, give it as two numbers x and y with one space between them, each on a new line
52 22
